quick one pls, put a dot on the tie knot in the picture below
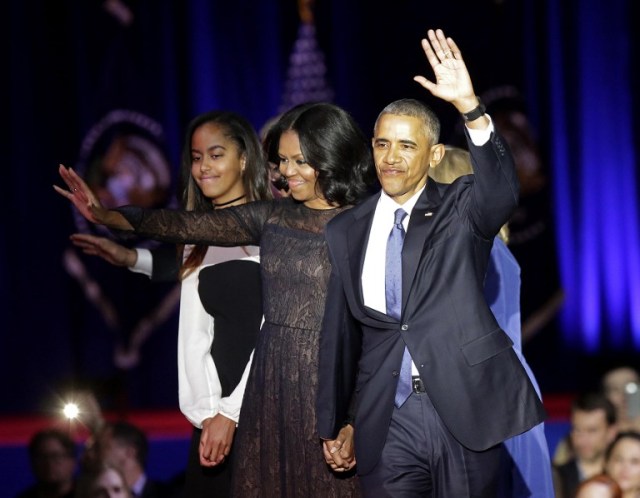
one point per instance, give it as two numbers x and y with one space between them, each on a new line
399 216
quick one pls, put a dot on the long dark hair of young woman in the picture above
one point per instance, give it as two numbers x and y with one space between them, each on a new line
255 178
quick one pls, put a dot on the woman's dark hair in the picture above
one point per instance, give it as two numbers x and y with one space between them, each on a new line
333 145
255 177
633 435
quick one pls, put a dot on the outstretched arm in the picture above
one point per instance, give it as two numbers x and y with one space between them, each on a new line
107 249
87 202
452 80
236 226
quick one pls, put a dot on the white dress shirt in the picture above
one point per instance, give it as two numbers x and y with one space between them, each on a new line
373 280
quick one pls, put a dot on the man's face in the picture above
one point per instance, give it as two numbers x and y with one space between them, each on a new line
590 434
53 463
403 154
112 451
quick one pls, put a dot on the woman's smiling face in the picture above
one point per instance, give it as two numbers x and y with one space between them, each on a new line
301 177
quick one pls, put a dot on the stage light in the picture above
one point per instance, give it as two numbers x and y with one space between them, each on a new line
71 410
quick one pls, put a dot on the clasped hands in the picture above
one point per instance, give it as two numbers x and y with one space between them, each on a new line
339 452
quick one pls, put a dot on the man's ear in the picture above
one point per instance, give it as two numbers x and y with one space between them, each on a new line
437 154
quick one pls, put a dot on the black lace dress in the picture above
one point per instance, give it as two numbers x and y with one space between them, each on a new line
277 449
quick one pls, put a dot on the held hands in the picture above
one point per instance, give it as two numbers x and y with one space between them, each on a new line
339 453
216 439
87 202
453 83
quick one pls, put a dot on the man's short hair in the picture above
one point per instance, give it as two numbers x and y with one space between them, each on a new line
131 435
592 401
415 109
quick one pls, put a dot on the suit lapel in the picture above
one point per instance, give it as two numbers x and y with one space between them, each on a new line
420 224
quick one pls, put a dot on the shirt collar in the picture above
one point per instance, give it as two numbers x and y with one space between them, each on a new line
388 204
138 486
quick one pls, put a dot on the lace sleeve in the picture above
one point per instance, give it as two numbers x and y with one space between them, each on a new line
239 225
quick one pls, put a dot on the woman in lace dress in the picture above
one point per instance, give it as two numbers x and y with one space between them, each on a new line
327 163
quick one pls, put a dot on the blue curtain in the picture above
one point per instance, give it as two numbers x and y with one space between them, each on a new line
590 64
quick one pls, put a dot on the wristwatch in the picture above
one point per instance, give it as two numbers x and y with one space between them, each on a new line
475 113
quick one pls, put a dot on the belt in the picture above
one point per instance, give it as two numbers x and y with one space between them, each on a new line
417 385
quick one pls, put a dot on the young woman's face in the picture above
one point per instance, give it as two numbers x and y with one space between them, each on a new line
216 164
624 465
301 177
110 485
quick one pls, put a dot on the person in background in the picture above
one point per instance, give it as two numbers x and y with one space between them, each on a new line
528 462
270 135
599 486
52 455
439 387
102 481
622 462
221 300
125 446
593 427
531 225
326 161
615 383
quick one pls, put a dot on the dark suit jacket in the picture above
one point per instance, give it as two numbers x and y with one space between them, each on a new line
471 374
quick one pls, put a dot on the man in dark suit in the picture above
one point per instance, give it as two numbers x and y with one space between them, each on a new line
467 390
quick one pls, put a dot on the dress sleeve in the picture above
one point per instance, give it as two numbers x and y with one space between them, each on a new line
230 405
199 388
238 225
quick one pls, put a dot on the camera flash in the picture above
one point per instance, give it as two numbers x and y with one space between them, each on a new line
71 410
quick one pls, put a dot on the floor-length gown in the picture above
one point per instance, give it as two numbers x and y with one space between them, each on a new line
277 449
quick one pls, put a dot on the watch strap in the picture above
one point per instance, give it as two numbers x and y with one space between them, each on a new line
475 113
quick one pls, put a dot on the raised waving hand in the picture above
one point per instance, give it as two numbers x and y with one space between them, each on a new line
452 79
